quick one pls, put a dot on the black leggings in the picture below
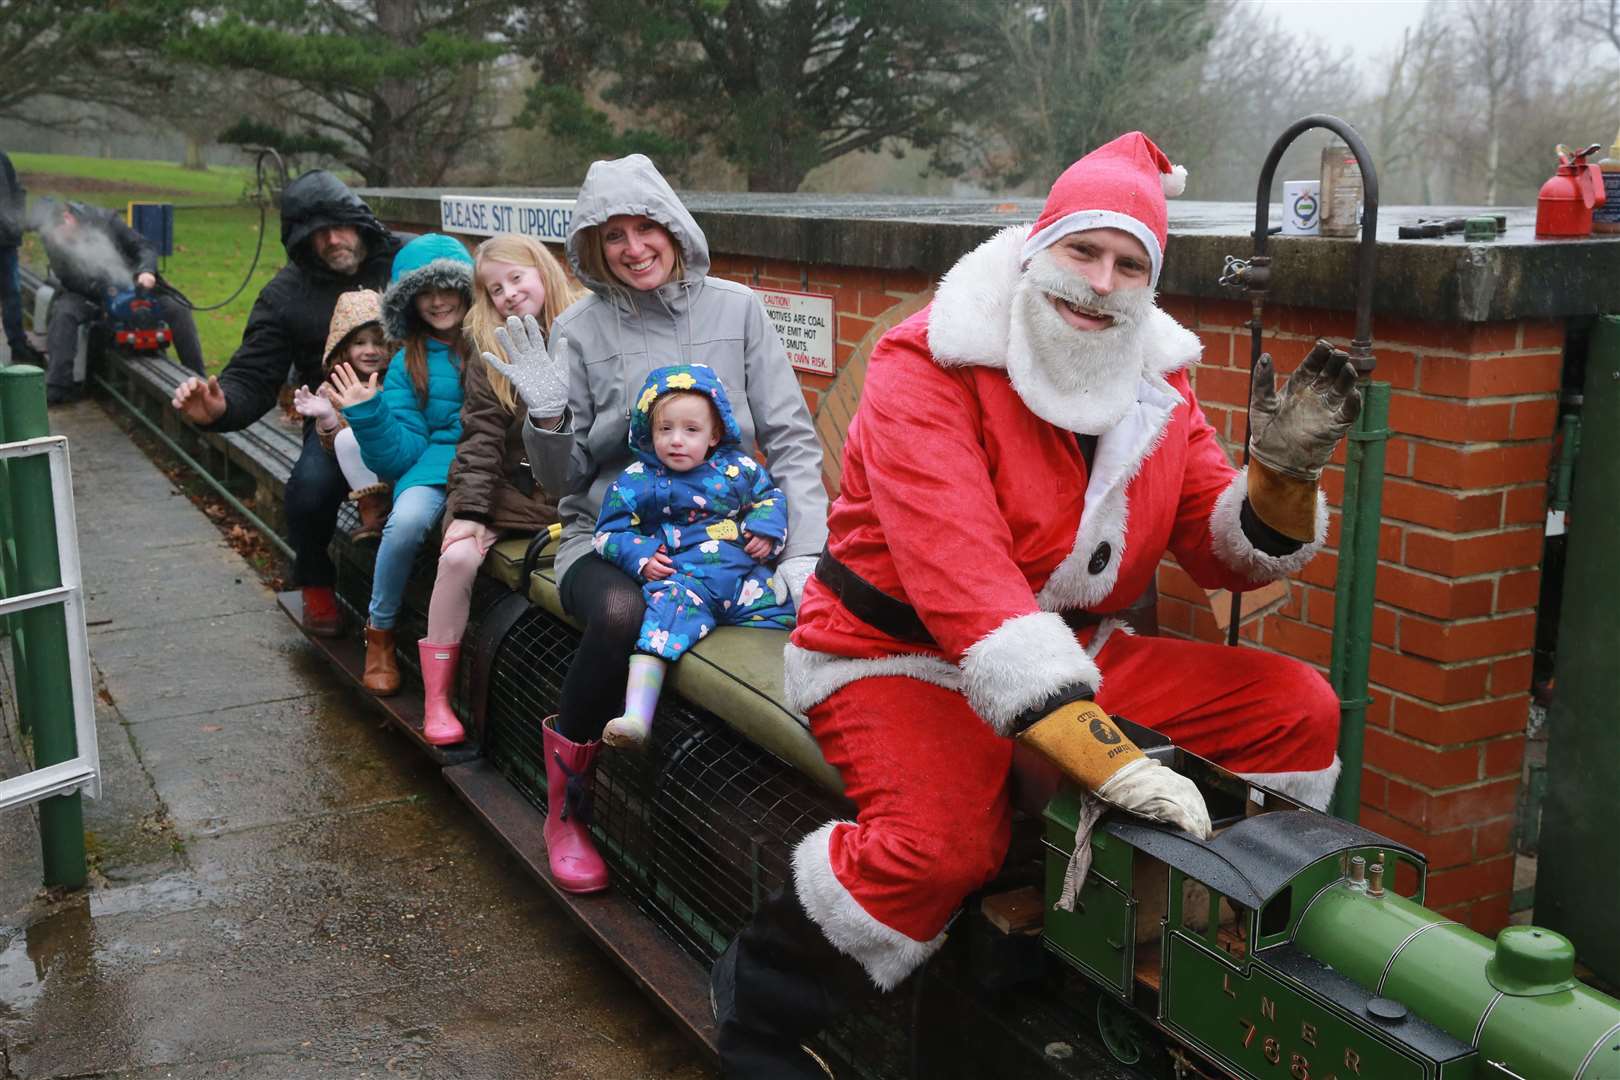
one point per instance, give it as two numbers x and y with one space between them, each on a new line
609 602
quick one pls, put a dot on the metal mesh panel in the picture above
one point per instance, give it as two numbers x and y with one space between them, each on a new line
696 830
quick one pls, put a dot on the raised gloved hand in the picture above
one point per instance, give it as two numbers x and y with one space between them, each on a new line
539 376
1088 747
791 574
1292 436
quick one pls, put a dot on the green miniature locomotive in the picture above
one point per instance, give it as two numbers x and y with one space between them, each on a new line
1295 944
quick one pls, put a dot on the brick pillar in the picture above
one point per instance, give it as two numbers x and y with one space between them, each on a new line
1473 413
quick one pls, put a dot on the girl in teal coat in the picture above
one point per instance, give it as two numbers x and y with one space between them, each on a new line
408 430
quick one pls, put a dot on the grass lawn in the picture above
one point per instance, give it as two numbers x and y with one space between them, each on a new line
213 245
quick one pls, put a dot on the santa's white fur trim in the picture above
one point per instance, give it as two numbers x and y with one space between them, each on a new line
1313 787
972 308
1081 220
1020 664
1174 182
887 955
1233 548
810 677
1120 454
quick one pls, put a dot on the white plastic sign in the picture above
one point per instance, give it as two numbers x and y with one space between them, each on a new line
807 325
486 215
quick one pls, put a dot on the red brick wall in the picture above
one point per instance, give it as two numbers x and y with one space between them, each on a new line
860 298
1473 412
1472 415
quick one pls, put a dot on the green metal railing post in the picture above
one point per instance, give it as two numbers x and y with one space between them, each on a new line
1361 518
49 675
8 573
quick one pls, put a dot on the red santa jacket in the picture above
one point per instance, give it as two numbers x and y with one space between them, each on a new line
960 502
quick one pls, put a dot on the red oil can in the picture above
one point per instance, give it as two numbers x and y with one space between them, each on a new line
1564 207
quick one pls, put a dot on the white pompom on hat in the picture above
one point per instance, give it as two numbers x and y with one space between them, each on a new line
1119 185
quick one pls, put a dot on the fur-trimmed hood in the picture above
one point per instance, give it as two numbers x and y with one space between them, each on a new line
432 261
353 310
971 319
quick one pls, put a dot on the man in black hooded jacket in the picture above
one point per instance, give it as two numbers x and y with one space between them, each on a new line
334 244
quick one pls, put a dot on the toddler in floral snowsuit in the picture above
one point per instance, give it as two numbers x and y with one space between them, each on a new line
693 517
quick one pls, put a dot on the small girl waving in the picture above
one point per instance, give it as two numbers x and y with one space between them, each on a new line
408 431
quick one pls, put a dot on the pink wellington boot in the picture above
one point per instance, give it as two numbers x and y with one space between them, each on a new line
440 726
575 865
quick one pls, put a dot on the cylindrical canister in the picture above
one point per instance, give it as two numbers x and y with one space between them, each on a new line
1606 218
1341 191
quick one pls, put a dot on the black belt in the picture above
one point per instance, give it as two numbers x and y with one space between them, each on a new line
896 618
870 604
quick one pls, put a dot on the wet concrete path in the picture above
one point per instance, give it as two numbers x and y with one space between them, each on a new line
282 889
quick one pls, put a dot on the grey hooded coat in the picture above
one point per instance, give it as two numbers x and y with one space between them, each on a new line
617 336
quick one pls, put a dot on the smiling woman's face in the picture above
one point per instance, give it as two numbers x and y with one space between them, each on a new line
638 251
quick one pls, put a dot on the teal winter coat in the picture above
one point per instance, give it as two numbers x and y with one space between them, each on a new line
403 440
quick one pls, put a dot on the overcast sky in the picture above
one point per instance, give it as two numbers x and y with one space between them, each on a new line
1370 27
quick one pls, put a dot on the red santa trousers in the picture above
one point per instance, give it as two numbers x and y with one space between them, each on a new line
930 779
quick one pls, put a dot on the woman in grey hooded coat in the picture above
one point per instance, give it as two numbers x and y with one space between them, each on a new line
652 303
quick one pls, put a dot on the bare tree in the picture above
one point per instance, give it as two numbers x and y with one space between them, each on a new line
1501 39
1409 117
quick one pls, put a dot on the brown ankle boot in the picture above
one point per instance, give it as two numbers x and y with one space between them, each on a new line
382 670
373 502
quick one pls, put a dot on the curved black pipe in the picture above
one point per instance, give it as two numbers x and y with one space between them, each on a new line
1361 354
1366 254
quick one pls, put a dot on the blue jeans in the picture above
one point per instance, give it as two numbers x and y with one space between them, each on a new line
11 300
415 512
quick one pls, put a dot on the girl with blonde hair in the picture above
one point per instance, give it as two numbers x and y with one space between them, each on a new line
491 490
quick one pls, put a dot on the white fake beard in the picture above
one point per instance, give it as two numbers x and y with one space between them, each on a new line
1078 380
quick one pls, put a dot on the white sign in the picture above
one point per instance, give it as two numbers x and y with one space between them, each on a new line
486 215
805 321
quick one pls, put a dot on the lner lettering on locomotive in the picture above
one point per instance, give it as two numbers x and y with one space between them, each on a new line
1299 1066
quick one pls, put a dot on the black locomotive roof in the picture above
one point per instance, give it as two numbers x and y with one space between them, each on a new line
1256 858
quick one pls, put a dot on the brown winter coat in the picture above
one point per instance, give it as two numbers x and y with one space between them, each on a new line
490 475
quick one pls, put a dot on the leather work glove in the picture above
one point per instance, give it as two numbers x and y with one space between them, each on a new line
539 377
1292 436
1088 747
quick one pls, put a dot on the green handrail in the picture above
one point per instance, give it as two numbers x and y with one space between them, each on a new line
46 688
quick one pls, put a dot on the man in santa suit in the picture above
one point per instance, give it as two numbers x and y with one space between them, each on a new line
1026 450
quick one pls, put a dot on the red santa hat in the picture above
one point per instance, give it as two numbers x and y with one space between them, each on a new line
1120 185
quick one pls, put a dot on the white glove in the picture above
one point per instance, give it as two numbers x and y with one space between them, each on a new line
314 406
537 375
1148 789
791 574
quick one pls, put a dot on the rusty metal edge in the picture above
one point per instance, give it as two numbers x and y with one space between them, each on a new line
403 711
676 983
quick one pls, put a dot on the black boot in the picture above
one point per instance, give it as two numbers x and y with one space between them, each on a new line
777 984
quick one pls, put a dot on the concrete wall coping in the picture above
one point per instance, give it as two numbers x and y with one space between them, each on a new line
1441 280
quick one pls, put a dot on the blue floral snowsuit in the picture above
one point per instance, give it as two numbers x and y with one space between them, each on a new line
699 517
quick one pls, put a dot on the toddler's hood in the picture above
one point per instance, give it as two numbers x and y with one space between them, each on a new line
697 378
